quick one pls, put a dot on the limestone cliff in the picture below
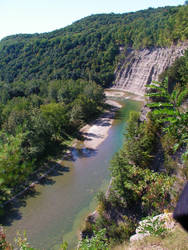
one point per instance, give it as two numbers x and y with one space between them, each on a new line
140 67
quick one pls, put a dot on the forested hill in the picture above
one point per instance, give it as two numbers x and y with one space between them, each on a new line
88 48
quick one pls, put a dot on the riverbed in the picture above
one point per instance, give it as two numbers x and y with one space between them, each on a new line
57 210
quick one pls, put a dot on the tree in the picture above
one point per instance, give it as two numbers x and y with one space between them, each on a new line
139 186
167 109
56 116
14 170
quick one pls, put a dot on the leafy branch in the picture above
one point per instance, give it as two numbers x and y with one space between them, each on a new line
168 109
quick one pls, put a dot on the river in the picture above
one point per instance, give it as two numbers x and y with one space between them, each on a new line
56 212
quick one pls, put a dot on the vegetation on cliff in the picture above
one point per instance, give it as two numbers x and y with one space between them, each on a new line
149 171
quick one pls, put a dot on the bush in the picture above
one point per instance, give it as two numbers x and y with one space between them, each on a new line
97 242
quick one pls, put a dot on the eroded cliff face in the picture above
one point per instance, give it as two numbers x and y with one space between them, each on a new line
140 67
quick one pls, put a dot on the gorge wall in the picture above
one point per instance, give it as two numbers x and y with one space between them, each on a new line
140 67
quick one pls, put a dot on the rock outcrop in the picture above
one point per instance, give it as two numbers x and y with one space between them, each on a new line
154 226
140 67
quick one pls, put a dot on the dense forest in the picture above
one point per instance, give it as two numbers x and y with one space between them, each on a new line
53 83
88 48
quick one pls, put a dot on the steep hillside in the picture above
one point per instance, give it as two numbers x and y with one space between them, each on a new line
141 67
88 48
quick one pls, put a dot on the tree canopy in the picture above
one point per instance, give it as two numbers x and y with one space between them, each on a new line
88 48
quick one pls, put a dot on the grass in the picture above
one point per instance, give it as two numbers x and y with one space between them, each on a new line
176 240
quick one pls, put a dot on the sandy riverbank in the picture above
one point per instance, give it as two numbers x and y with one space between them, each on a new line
123 94
97 132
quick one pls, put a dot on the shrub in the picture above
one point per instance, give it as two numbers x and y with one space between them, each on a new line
97 242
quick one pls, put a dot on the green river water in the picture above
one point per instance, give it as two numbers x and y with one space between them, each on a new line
58 209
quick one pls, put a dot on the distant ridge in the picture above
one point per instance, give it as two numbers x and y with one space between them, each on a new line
89 48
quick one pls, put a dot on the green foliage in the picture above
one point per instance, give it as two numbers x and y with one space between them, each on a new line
140 150
118 227
64 246
56 117
97 242
136 189
168 111
116 232
141 188
13 169
177 72
88 48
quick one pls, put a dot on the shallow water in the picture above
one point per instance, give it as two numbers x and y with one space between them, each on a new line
58 209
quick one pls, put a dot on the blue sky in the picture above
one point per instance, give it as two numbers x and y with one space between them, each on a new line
31 16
